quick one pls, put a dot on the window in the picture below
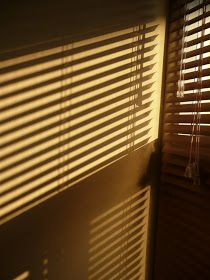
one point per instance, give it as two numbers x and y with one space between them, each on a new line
186 140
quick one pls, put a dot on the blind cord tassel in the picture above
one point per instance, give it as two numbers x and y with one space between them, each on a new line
192 172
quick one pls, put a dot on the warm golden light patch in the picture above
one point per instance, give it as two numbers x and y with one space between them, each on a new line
71 110
23 276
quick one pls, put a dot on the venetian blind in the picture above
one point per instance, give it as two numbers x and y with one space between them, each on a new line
186 137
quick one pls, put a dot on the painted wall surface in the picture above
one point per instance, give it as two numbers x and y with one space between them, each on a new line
80 89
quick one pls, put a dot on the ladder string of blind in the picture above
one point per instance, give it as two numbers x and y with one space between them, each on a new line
194 165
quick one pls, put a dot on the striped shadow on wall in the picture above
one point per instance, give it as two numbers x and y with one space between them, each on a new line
118 240
69 109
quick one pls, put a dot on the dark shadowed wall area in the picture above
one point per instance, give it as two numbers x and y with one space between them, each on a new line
80 91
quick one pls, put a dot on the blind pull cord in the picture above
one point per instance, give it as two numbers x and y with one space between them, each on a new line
196 178
190 167
193 167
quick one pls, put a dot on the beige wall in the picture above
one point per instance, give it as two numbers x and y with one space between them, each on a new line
79 120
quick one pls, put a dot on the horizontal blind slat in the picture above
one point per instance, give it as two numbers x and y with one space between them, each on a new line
173 138
186 129
205 107
185 118
187 97
189 86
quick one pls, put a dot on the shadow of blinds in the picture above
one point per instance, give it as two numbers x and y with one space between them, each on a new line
69 109
118 240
